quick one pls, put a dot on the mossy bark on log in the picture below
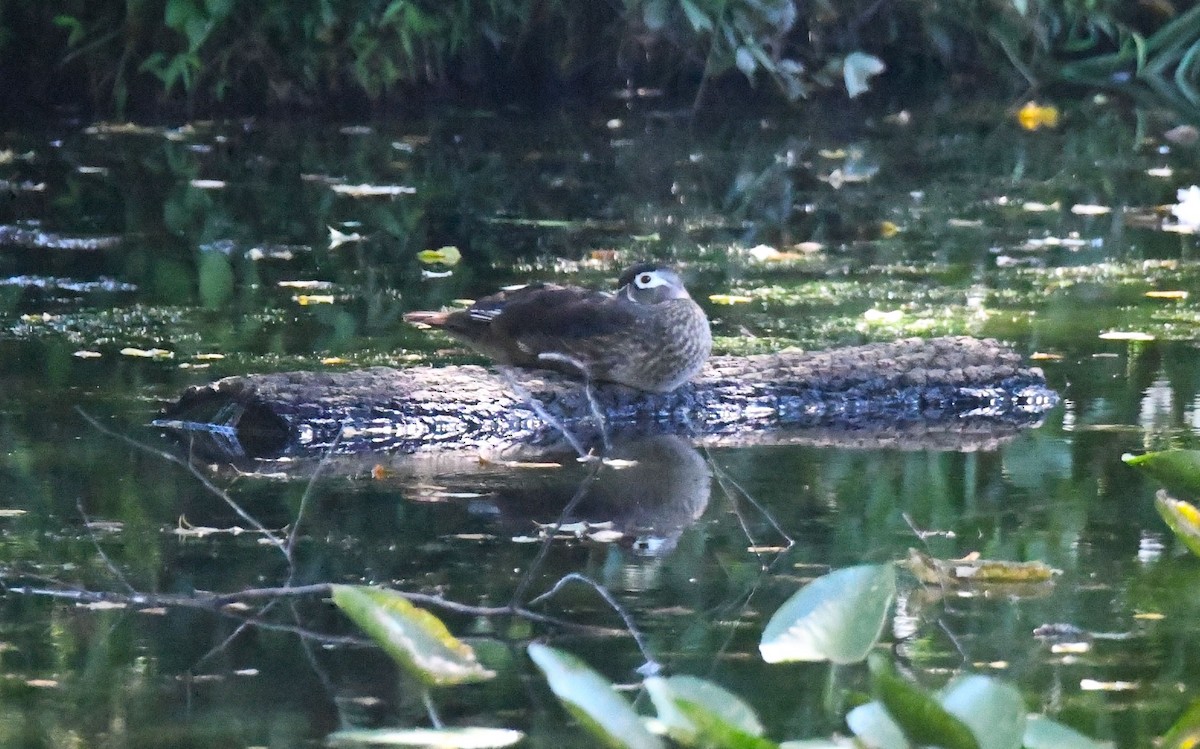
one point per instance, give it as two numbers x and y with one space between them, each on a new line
939 386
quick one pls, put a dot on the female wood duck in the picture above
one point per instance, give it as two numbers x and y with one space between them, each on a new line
649 335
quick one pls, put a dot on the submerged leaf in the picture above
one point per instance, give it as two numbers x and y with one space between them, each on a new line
1177 470
837 617
1183 519
591 699
413 637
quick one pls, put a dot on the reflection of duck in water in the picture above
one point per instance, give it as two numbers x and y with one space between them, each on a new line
650 502
649 335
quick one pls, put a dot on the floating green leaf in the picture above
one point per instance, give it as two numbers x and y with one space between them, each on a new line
591 699
413 637
438 738
1183 519
698 712
917 713
837 617
990 708
1043 733
1177 470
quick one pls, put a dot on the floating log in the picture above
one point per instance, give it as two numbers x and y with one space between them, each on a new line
946 393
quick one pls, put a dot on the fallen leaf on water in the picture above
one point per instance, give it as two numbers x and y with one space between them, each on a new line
486 460
373 191
729 299
963 223
880 317
887 229
444 255
306 284
153 353
1087 209
339 238
1033 116
1045 356
971 570
100 605
306 299
380 472
1035 207
1160 171
12 513
42 683
1095 685
332 360
606 537
208 184
1167 294
1125 335
87 354
209 357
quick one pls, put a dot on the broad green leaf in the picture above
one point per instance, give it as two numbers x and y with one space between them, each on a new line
918 714
1043 733
992 709
437 738
591 699
872 724
1177 470
694 710
413 637
699 20
1183 519
857 69
837 617
1185 732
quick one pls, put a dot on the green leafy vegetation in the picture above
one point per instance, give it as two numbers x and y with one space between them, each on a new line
218 53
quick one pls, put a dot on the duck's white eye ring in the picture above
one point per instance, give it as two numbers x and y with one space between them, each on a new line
645 280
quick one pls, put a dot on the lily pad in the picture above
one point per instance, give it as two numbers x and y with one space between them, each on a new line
837 617
413 637
696 711
591 699
1182 517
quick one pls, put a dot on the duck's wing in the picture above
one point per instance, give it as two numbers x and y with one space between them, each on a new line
549 312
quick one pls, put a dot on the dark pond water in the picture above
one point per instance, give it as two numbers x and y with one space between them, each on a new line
948 219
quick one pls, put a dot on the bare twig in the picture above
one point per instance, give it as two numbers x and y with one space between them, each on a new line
275 540
651 666
584 487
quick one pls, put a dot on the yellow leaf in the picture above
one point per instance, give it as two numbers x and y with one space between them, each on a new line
887 230
1167 294
1033 116
444 255
306 299
729 299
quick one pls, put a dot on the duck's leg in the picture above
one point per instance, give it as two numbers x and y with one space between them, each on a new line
593 404
510 378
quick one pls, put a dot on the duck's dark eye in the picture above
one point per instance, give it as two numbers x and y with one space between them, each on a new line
644 280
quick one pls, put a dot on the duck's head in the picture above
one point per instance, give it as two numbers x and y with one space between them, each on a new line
651 283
